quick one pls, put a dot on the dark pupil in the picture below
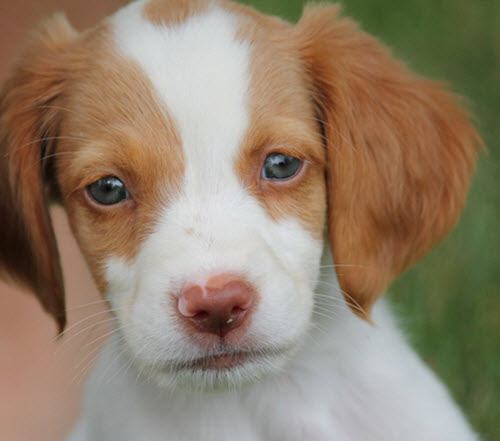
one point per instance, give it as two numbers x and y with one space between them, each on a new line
108 191
279 166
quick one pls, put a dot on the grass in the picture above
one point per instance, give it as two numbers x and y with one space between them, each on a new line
450 301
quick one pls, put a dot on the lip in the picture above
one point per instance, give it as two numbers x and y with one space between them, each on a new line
225 361
219 362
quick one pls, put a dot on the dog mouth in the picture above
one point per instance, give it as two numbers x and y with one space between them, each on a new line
222 367
225 361
218 362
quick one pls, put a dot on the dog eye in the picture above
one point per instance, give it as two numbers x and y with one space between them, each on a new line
278 166
108 191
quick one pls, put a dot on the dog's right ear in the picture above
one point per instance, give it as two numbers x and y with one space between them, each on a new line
29 120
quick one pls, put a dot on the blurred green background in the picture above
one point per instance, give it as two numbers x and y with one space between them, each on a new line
450 302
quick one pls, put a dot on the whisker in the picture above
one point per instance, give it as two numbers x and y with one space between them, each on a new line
84 319
90 356
82 373
48 138
321 303
350 300
320 295
96 120
323 314
316 326
102 336
86 305
57 154
89 360
342 265
64 343
356 305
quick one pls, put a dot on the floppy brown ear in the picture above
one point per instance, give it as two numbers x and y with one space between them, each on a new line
400 149
28 128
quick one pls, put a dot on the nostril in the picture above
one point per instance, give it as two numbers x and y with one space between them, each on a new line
236 312
202 315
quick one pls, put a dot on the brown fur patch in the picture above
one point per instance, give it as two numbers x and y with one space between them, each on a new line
161 12
282 119
400 153
75 107
113 125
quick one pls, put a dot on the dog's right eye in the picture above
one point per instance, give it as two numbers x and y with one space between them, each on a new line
108 191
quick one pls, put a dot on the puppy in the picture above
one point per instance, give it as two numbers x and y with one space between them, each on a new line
243 190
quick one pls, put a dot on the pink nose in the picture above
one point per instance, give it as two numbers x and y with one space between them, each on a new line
220 306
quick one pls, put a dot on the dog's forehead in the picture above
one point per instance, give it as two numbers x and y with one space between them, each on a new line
199 70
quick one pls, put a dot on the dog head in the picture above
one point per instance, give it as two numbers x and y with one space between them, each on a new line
200 149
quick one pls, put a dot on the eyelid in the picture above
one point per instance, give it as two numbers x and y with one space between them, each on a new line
287 150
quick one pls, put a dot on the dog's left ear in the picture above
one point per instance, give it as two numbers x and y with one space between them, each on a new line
400 150
29 122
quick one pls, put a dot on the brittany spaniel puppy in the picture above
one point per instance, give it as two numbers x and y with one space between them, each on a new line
243 190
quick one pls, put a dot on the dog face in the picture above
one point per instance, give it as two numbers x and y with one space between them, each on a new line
200 149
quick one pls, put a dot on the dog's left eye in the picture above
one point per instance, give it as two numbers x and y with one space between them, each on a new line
279 166
108 191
